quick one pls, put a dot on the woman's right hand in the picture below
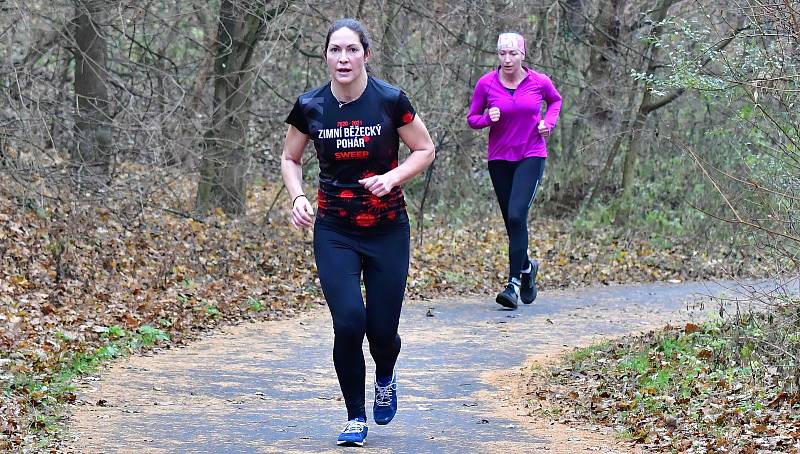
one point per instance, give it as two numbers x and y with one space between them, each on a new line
302 213
494 114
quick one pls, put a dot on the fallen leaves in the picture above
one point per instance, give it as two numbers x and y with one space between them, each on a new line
73 274
672 390
66 278
473 259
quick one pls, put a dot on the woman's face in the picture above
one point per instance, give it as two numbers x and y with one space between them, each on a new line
345 56
510 60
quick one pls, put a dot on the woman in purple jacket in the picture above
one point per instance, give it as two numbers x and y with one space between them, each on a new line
509 101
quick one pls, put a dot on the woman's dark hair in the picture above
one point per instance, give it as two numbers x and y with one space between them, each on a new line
352 24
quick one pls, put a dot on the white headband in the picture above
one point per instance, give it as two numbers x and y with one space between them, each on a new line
513 41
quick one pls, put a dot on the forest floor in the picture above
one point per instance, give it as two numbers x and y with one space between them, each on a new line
84 284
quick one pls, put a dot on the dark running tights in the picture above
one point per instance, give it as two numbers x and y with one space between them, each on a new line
382 257
515 184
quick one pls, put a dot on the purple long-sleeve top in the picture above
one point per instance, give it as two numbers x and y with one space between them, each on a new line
515 135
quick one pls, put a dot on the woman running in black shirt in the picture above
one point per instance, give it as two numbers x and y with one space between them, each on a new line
361 226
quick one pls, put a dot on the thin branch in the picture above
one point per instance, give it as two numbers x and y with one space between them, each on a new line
663 101
737 216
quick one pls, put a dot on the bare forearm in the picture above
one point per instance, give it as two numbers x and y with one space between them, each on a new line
416 137
413 165
291 161
292 173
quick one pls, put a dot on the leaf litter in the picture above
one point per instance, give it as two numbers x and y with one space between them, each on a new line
679 389
76 279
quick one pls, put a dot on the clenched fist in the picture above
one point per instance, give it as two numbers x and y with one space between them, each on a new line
543 129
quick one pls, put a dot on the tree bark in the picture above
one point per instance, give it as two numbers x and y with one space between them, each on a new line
92 152
634 149
597 97
390 47
225 158
637 129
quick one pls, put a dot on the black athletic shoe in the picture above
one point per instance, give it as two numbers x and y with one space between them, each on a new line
528 291
509 297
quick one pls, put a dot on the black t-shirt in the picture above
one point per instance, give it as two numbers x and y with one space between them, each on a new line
355 140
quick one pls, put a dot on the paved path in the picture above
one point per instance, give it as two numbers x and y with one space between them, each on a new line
271 386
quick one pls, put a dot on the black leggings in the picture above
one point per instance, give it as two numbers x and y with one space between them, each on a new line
515 184
382 256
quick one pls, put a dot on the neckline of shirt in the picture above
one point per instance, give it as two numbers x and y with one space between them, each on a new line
527 70
500 80
347 103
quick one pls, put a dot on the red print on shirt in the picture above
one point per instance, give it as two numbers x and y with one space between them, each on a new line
348 155
346 194
407 117
365 220
377 204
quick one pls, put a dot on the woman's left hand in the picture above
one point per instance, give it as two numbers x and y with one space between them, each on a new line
544 131
379 185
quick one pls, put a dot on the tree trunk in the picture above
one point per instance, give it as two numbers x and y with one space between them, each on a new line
622 136
91 153
595 112
390 44
225 158
597 97
634 150
648 104
651 55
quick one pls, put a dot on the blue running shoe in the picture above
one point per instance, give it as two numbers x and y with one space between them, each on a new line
385 406
354 433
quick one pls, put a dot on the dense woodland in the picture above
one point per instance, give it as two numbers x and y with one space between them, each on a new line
679 117
669 104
